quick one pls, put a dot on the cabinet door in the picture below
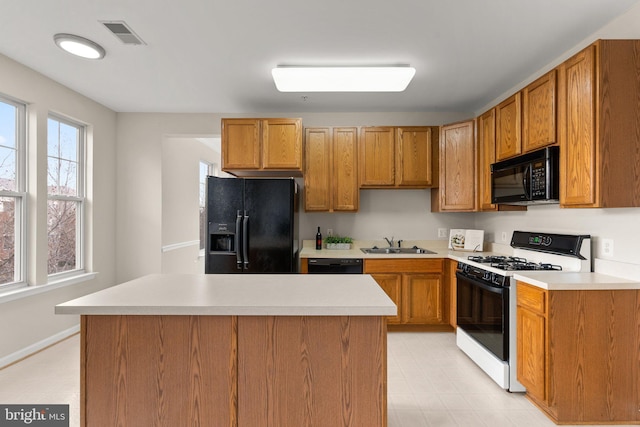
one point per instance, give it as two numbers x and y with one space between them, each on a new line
450 286
578 146
509 127
532 350
457 168
414 157
346 194
391 284
422 299
317 167
486 156
241 144
282 144
377 156
539 113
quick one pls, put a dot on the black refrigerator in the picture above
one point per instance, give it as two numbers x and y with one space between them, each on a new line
252 225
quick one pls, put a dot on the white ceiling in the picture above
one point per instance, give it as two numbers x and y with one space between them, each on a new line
216 56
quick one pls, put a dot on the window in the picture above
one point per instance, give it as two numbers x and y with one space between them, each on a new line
206 168
66 198
12 192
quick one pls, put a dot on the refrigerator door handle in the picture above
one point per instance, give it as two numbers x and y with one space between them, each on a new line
245 240
237 241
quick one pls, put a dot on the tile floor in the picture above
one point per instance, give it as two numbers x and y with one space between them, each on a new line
430 383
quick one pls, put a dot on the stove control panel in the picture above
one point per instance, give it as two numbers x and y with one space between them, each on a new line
540 240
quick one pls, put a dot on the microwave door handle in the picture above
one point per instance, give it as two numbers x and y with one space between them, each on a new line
237 241
526 182
245 240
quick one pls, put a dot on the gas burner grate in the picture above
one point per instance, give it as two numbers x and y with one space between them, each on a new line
513 263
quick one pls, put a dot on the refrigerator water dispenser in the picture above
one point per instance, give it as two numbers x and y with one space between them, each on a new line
221 239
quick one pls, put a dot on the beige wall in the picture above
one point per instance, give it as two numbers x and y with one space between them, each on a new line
621 225
31 319
140 139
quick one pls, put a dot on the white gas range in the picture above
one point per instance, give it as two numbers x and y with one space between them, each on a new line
486 297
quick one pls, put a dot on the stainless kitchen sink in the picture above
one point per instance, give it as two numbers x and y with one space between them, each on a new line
396 251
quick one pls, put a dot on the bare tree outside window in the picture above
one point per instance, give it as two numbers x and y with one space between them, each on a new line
65 195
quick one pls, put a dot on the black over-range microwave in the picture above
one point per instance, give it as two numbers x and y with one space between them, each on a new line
531 178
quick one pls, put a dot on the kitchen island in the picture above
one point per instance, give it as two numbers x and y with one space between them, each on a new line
234 350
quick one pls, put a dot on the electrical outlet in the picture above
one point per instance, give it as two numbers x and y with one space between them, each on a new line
329 231
607 247
442 233
504 236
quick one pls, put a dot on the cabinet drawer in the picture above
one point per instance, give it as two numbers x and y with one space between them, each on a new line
531 297
404 265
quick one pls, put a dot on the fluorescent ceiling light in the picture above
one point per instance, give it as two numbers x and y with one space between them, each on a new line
79 46
342 79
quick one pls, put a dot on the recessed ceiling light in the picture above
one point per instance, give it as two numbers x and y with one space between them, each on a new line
79 46
342 79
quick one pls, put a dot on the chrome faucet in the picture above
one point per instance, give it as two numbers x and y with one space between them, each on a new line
390 242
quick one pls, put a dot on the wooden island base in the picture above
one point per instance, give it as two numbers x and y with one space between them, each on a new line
245 371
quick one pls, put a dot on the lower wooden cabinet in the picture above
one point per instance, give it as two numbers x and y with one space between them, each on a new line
532 340
578 353
416 286
450 287
392 285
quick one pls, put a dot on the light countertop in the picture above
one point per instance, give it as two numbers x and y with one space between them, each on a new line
438 246
565 281
551 280
238 294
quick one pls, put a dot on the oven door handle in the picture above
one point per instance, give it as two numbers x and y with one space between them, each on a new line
480 284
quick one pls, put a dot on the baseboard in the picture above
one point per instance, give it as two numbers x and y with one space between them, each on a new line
36 347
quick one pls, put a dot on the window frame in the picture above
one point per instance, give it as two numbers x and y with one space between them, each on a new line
211 170
80 198
20 196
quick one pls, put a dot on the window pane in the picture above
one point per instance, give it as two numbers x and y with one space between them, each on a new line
62 140
62 177
7 239
8 146
7 169
8 125
61 230
64 169
68 142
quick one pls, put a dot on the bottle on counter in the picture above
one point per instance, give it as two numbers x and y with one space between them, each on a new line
318 239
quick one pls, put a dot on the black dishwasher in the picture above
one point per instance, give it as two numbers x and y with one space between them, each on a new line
335 265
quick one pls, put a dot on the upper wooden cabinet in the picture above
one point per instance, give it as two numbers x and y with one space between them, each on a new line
486 156
414 157
599 119
509 127
331 169
252 147
398 157
377 156
456 191
539 113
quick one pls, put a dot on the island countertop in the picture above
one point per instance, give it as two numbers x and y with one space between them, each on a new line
574 281
238 295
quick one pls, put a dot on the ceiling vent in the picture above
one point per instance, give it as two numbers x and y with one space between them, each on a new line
122 31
